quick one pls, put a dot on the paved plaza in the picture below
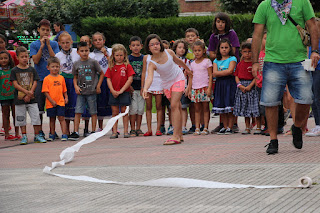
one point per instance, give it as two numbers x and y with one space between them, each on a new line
233 158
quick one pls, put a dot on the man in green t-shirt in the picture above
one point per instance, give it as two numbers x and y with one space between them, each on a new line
282 64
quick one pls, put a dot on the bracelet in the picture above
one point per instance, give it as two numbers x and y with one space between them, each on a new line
239 84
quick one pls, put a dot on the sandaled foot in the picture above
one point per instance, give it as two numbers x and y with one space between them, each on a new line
139 132
133 133
171 141
126 135
197 132
114 136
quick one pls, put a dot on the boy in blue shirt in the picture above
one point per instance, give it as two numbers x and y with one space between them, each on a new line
40 51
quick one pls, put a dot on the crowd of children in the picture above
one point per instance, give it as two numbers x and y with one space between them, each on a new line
70 83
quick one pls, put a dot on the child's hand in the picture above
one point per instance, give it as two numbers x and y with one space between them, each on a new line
26 99
208 92
247 89
186 92
30 94
47 40
43 42
242 88
54 104
115 94
145 94
189 94
98 90
66 100
141 92
77 89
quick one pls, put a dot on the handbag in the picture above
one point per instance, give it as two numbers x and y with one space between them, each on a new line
304 34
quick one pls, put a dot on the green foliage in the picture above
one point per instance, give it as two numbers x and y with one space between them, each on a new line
72 11
119 30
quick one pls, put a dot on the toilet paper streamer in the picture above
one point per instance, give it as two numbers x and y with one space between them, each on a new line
68 155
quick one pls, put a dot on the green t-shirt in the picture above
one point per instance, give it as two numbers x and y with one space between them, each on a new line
284 44
7 89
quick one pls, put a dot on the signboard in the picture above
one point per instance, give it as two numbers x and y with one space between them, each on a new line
27 39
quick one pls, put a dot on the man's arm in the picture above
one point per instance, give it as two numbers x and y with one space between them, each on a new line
255 47
312 26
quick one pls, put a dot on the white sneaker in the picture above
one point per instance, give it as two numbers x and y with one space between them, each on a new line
314 132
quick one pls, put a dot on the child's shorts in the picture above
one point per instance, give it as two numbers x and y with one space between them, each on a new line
176 87
199 95
137 104
83 100
21 114
123 99
56 111
7 102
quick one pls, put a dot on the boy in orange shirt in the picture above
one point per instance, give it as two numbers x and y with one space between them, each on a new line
55 90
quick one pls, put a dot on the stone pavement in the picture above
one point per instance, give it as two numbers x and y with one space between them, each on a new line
233 159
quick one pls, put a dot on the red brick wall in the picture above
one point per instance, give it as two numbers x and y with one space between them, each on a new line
198 6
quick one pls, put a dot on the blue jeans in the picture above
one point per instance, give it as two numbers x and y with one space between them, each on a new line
83 100
275 78
316 99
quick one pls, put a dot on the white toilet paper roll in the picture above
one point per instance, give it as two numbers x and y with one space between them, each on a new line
305 182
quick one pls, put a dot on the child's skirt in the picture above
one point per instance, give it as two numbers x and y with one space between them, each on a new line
72 99
224 93
246 104
103 108
200 95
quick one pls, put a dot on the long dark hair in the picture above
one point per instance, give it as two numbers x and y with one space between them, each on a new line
224 40
223 17
11 62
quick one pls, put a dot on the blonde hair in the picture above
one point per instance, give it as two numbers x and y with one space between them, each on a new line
65 34
116 48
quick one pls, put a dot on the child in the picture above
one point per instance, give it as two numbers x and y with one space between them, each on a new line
101 53
225 88
201 83
137 101
7 94
119 78
173 80
155 90
166 44
24 80
180 47
221 28
40 51
54 88
67 57
246 98
87 85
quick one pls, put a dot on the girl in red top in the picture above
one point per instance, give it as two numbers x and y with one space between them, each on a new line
119 78
246 102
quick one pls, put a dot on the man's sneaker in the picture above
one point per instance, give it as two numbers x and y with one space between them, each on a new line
192 129
272 147
51 137
64 137
163 129
56 135
222 131
85 133
185 130
216 130
314 132
74 136
39 139
228 131
24 140
10 138
296 136
235 128
41 133
170 130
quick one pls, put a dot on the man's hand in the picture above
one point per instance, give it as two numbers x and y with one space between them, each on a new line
255 70
314 59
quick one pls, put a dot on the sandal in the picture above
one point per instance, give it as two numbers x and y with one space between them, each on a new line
205 132
114 136
171 142
139 132
197 131
158 133
126 135
148 134
133 133
247 131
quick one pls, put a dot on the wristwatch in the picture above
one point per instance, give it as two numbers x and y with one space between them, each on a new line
315 51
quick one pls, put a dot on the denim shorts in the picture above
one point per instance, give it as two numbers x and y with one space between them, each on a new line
275 78
123 99
56 111
86 100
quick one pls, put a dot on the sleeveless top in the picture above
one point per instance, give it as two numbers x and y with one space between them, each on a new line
156 82
170 72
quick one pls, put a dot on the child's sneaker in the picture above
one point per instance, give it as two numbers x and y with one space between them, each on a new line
39 139
74 136
228 131
163 129
41 133
170 130
64 137
56 136
86 133
10 138
222 131
235 128
24 140
99 130
51 137
192 129
185 130
314 132
2 131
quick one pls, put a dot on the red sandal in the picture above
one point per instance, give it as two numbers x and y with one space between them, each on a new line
158 133
148 134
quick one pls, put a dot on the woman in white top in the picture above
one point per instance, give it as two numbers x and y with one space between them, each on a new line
165 62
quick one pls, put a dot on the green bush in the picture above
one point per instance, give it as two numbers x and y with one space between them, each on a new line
119 30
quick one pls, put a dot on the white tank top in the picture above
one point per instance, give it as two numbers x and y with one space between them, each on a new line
156 82
170 72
